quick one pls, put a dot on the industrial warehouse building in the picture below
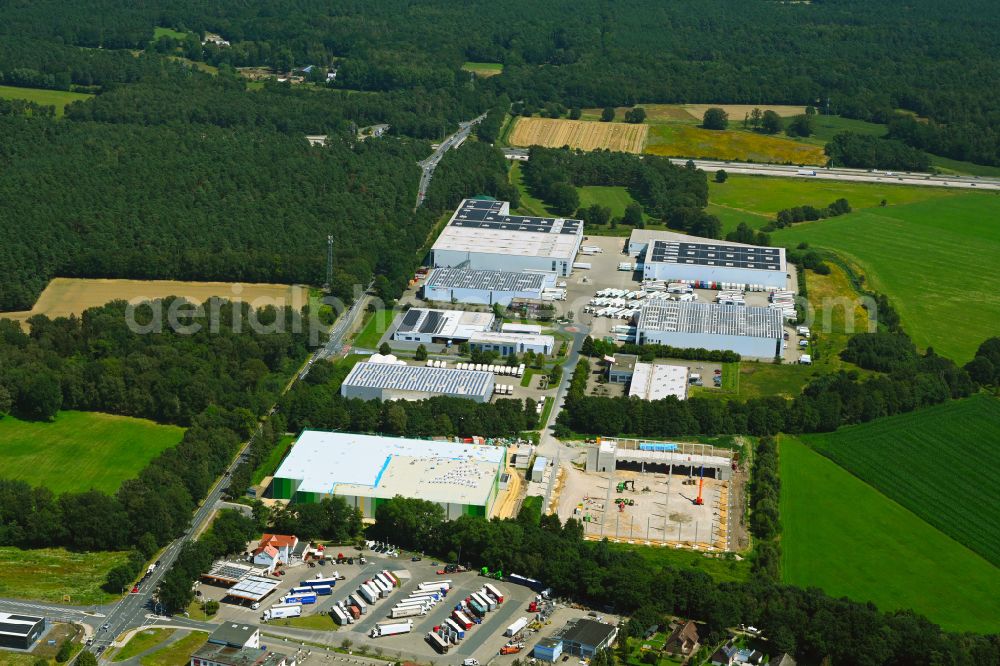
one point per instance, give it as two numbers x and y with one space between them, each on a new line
581 638
507 343
683 458
747 330
20 631
655 381
441 326
367 470
397 381
707 263
483 235
474 287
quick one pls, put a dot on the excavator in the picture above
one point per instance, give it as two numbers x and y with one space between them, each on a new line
624 485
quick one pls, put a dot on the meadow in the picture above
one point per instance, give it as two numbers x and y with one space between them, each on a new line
843 536
935 259
583 134
939 462
689 140
82 450
56 98
140 642
52 574
176 653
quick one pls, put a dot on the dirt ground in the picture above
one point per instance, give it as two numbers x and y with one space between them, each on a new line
65 296
585 134
663 509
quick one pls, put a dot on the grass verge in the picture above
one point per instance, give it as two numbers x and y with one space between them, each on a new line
140 642
177 653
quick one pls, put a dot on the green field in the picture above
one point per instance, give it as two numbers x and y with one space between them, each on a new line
940 463
56 98
484 69
140 642
615 198
529 205
754 196
82 450
177 653
688 140
160 31
49 574
843 536
375 326
936 260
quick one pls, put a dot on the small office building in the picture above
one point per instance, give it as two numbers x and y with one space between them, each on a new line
428 326
20 632
512 343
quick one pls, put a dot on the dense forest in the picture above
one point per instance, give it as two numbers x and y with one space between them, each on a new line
850 57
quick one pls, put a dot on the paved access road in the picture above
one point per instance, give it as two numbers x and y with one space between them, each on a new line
852 175
428 165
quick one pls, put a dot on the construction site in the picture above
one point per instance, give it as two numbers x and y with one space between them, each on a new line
678 495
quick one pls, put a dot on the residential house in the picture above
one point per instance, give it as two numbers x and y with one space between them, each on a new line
725 655
274 549
683 639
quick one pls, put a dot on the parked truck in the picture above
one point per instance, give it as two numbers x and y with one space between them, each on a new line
516 627
340 616
309 598
455 628
477 607
391 629
494 591
410 611
367 593
279 611
359 602
461 619
438 643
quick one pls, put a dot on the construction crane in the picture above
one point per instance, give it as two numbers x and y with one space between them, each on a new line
701 484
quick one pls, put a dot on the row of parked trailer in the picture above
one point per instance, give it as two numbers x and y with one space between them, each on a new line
503 389
785 301
349 610
509 370
306 592
466 614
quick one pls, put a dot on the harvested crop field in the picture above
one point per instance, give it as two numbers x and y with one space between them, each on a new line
584 134
65 296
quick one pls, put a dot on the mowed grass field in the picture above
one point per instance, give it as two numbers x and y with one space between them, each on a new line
936 260
65 296
56 98
843 536
941 463
584 134
483 69
49 574
81 450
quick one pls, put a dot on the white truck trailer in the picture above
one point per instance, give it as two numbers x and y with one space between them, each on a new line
391 628
279 611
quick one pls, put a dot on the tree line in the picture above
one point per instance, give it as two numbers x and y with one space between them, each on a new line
805 623
675 194
863 151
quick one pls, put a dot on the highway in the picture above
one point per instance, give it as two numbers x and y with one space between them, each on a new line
428 165
821 173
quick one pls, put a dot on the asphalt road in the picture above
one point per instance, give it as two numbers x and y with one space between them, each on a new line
852 175
428 165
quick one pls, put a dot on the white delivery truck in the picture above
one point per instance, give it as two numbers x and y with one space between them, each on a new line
392 628
282 610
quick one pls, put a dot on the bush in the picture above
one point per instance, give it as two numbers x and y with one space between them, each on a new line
715 119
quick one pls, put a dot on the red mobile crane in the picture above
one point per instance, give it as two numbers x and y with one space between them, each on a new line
701 483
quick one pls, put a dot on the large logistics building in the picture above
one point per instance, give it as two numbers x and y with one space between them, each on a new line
367 470
441 326
747 330
507 343
397 381
478 287
483 235
707 263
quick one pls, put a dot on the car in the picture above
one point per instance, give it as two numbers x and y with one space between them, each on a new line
415 558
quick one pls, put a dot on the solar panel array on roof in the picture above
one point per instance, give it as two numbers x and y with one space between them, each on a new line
710 319
432 323
421 379
409 321
489 215
464 278
715 254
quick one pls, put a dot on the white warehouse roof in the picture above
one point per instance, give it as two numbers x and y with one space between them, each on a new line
655 382
710 319
506 337
487 226
374 466
673 248
464 278
455 324
419 379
